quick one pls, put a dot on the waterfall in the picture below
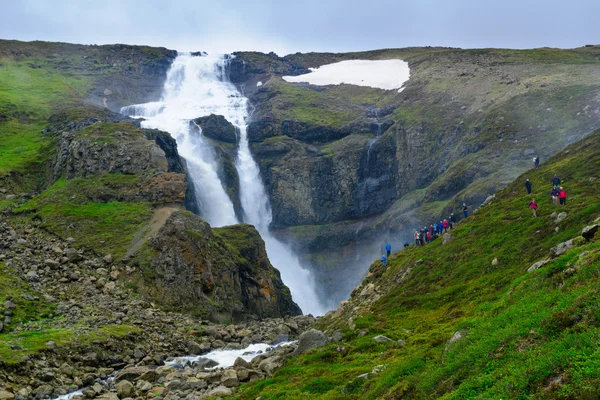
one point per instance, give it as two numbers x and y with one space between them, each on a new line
197 86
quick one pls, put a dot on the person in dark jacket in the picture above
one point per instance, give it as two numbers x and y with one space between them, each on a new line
465 210
554 195
562 197
452 219
556 180
528 186
536 162
388 249
533 205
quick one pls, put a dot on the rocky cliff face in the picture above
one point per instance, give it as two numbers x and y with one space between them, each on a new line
345 165
115 187
113 144
222 274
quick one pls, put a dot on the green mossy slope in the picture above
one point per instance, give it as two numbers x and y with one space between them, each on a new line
524 334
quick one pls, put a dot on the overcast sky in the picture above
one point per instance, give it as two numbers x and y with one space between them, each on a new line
305 25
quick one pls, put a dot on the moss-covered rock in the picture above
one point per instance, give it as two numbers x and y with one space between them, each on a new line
222 274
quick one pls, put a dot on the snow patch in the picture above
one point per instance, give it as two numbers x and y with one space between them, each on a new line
383 74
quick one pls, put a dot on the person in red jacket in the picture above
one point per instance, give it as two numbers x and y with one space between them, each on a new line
533 205
445 225
562 196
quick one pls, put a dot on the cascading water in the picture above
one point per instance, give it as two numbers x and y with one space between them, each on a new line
197 86
192 90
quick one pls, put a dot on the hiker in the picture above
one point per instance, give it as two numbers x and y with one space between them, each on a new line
536 162
554 195
441 228
446 224
435 228
450 224
383 260
533 205
422 237
528 186
465 210
562 196
417 240
428 237
431 229
452 220
388 249
556 181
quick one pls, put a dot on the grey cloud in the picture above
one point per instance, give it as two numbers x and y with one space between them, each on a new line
310 25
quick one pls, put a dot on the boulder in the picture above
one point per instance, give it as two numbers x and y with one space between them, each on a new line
382 339
108 396
217 127
561 216
241 363
538 264
125 389
230 378
73 255
589 231
133 374
309 340
243 374
9 305
563 247
4 395
203 363
108 259
268 365
220 391
337 336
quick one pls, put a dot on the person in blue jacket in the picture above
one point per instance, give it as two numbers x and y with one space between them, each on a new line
441 227
388 249
383 260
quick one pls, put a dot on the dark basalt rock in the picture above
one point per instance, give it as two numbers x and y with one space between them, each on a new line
217 127
222 273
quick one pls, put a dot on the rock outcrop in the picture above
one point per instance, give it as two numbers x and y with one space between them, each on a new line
217 127
223 274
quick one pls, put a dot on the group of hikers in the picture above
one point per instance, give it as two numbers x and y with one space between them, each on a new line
558 194
427 235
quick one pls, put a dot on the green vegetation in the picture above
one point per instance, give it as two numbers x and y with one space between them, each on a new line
525 334
110 132
30 305
14 348
86 210
28 95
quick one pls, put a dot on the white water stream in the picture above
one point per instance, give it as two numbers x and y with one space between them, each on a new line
197 86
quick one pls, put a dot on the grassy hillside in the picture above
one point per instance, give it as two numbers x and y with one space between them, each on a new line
522 334
38 79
